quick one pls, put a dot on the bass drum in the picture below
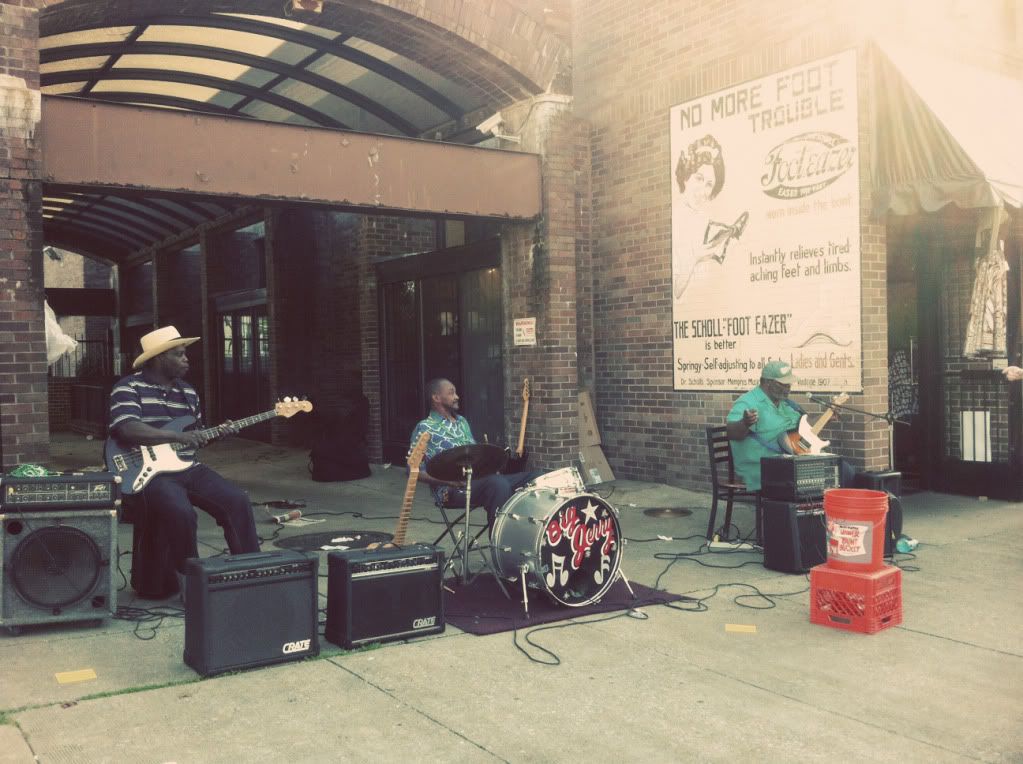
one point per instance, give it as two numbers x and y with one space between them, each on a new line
568 546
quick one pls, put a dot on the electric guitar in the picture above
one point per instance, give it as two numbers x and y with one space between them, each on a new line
414 460
137 465
805 440
517 462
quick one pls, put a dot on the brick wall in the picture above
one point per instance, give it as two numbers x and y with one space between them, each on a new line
24 434
633 62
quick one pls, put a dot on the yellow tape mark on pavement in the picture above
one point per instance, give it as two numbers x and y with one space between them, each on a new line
741 628
70 677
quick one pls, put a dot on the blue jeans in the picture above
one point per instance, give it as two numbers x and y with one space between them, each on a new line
492 491
170 498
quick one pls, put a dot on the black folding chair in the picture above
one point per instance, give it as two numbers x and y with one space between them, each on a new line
724 484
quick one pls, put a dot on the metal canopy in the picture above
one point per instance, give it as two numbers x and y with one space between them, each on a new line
363 66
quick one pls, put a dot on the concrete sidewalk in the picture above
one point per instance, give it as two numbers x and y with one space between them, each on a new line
660 684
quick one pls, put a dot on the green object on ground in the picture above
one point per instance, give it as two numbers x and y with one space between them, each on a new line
30 470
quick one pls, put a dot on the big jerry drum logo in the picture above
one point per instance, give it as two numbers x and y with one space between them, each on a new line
580 548
806 163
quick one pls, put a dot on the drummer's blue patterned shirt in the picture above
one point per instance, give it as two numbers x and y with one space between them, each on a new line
444 434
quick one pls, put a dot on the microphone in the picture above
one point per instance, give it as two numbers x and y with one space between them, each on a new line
292 515
815 399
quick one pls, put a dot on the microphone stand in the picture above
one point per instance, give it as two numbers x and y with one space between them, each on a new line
887 416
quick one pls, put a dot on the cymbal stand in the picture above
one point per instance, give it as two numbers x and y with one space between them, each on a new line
887 416
468 540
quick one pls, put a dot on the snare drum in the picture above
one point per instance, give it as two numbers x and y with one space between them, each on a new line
566 479
568 546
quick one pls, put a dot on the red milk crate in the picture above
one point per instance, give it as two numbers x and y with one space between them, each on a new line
863 602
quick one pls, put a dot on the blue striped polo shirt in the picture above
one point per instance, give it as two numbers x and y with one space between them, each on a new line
135 399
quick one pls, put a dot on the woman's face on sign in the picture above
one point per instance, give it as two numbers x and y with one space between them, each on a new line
700 186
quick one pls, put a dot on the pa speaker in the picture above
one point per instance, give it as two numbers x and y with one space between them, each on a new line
891 484
795 535
250 610
375 595
57 566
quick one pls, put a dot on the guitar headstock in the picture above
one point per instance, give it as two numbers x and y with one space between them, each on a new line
840 399
418 450
291 406
525 389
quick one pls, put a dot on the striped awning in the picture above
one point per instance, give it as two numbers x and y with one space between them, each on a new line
946 133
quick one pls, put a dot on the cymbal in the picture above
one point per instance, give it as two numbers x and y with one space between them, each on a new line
484 458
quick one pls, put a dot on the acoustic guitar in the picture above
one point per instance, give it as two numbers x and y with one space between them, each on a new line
414 460
138 465
517 461
805 438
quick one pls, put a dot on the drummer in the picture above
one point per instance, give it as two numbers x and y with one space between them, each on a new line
448 429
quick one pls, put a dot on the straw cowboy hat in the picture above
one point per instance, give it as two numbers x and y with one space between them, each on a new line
159 341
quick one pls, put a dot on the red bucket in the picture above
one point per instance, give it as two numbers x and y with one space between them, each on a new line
855 528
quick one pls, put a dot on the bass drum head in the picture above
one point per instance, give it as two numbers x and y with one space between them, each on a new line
568 546
579 550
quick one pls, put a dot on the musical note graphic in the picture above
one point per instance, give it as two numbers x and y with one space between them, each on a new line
605 565
557 571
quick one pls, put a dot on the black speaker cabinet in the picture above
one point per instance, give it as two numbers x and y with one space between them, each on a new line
890 483
795 535
375 595
57 566
250 610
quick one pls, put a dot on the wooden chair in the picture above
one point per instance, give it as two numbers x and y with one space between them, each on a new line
724 483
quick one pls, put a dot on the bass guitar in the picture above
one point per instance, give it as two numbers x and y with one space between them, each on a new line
137 465
414 460
517 461
805 439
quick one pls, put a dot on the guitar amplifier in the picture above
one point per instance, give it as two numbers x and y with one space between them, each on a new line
72 490
376 595
791 478
250 610
795 535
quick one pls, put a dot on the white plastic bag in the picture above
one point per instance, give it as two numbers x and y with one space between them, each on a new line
57 343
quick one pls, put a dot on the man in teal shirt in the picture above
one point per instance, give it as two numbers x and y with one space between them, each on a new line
759 418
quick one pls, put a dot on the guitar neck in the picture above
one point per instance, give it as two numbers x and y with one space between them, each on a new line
522 428
211 432
406 507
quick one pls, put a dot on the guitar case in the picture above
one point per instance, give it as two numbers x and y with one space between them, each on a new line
152 570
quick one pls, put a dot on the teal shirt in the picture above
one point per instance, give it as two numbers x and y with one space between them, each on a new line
444 434
773 422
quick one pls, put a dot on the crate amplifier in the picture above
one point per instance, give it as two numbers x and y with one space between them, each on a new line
250 610
795 534
79 490
792 478
375 595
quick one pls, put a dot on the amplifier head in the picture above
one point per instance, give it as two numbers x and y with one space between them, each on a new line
78 490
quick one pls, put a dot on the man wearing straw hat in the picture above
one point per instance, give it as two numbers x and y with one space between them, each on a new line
140 405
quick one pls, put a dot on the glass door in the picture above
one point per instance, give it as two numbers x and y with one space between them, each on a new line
244 366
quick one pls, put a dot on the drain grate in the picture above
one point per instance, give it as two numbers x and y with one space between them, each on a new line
667 512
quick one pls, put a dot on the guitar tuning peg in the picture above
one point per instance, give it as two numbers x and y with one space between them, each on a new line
287 399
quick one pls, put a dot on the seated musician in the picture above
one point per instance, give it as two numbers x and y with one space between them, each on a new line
448 429
761 417
140 405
